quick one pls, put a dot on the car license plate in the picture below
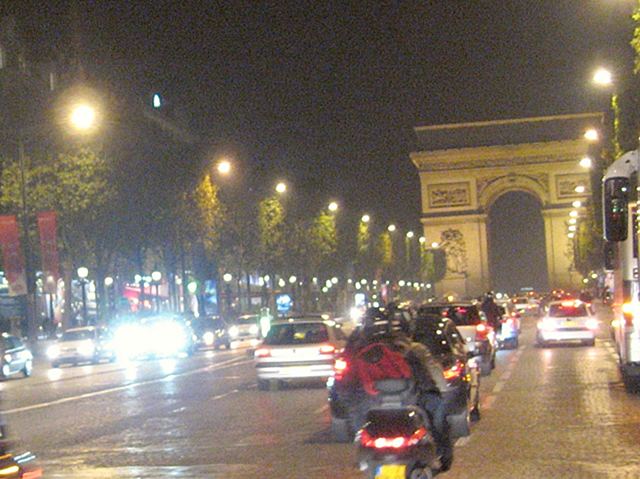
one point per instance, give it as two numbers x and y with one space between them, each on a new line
569 324
391 471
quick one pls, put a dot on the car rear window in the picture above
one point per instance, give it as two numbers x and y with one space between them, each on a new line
573 311
297 333
521 301
77 335
246 320
430 332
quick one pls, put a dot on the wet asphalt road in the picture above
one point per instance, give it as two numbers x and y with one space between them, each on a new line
558 412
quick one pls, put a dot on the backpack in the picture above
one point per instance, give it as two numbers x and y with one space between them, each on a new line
378 361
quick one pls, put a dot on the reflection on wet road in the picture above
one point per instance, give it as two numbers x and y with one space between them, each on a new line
547 413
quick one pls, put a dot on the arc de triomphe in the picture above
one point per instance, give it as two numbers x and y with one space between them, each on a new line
465 167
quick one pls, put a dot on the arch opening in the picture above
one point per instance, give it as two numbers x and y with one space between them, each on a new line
516 240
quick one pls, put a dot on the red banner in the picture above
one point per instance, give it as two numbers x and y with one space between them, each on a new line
49 249
12 258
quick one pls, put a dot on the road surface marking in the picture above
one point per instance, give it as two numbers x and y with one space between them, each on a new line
220 396
322 409
463 441
213 367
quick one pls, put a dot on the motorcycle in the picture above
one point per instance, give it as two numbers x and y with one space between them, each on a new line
19 467
395 441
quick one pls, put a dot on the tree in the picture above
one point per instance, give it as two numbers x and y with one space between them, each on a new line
271 237
76 185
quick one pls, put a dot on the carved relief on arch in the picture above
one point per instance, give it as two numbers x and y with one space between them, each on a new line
491 187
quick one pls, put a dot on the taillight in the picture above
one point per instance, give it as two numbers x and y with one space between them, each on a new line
340 367
327 349
398 442
262 353
454 371
482 331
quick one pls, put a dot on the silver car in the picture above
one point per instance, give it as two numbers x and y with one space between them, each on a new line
84 344
298 349
570 320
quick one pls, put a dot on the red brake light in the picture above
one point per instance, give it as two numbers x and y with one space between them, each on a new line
398 442
482 330
327 349
262 353
340 367
454 371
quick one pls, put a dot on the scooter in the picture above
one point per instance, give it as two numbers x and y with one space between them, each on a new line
395 441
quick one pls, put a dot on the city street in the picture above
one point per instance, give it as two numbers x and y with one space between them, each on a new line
546 413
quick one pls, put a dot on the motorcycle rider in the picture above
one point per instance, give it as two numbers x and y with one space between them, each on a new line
492 311
393 326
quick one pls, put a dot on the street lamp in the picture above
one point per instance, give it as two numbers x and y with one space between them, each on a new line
82 274
227 277
586 163
224 167
365 218
281 188
603 77
391 228
333 206
83 117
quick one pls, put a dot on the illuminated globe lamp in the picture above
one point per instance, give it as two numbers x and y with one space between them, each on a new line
82 274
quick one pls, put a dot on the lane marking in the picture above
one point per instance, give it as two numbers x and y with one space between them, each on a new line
463 441
498 387
213 367
220 396
322 409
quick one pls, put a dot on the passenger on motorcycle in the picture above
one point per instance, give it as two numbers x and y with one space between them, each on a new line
393 327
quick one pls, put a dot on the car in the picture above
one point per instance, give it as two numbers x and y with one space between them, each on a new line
244 328
296 349
509 333
211 331
526 304
81 345
157 336
566 321
445 342
479 335
16 358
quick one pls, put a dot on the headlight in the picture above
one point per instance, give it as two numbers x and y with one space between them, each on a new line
208 338
254 329
233 331
7 358
87 348
53 351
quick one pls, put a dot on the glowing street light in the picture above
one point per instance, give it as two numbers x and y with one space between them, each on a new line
586 163
435 244
83 117
580 189
591 134
365 218
571 235
227 277
410 234
576 204
224 167
281 187
572 227
572 221
391 228
333 206
603 77
573 214
82 274
422 240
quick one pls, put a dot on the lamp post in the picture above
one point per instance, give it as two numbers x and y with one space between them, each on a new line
227 277
82 274
156 276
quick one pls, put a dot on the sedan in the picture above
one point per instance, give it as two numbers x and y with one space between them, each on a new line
298 349
79 345
564 321
16 358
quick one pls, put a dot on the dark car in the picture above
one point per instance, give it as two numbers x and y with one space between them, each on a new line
441 336
16 358
479 336
211 332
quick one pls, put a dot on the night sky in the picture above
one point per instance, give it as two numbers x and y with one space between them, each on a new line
332 90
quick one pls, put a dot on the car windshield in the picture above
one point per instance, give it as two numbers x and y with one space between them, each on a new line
297 333
430 332
565 311
77 335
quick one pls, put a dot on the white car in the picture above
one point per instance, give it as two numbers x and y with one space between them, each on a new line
569 320
79 345
298 349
